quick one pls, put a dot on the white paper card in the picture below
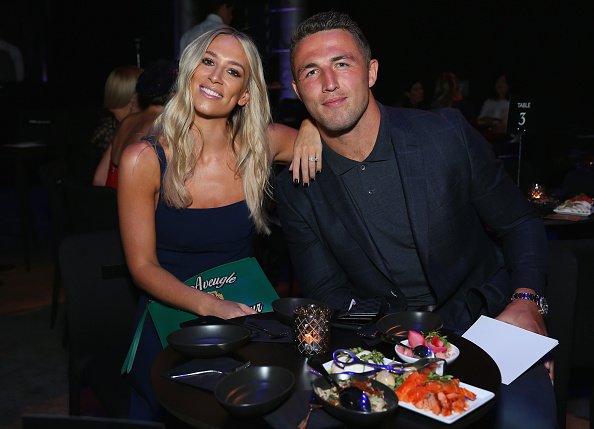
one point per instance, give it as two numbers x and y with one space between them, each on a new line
513 349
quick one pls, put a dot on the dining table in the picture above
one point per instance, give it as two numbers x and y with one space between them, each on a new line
199 407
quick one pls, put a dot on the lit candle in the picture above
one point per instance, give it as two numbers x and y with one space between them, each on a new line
312 329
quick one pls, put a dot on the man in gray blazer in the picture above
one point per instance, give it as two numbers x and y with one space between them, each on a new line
411 207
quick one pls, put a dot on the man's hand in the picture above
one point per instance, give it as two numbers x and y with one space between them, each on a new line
524 314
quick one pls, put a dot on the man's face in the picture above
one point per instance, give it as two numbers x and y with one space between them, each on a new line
333 79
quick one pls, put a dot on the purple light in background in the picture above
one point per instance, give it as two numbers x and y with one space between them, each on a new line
288 16
43 61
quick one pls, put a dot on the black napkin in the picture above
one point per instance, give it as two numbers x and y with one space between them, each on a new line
273 326
206 381
289 414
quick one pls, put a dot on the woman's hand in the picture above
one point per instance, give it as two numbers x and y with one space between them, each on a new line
225 309
303 149
307 153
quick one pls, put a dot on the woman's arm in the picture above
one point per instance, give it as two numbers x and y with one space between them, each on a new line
303 149
138 189
100 176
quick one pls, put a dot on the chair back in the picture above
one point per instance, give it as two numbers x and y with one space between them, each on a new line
88 208
78 422
100 304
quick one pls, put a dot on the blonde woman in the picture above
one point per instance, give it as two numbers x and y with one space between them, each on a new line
191 197
118 102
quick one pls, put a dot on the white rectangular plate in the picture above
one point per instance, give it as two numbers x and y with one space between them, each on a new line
482 397
568 212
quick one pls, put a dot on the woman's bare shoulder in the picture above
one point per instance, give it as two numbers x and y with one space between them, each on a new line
139 154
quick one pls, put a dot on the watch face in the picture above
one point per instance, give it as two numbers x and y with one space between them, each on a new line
543 305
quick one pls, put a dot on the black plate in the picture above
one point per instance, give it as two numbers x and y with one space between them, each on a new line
255 390
397 325
208 340
352 417
284 307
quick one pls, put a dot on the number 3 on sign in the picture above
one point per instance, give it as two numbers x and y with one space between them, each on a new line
522 120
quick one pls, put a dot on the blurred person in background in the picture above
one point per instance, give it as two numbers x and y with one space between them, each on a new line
493 114
220 15
414 94
119 100
449 93
12 68
152 92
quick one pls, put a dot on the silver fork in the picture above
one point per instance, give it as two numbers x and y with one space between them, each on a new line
271 335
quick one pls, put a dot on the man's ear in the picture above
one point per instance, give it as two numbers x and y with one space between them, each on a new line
244 98
296 90
373 67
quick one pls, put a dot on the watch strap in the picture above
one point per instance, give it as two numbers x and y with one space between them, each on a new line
537 299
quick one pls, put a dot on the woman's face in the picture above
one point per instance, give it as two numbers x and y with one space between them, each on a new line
501 86
416 94
220 80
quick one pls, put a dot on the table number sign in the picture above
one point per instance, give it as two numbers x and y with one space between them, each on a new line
521 117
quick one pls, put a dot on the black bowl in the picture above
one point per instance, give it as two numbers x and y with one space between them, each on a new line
209 340
284 307
255 390
352 417
397 325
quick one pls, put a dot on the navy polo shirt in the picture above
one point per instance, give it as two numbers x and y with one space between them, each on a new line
375 189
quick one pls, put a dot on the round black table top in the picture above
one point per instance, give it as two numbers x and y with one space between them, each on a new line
199 408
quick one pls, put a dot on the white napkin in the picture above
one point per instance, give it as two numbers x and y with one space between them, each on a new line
513 349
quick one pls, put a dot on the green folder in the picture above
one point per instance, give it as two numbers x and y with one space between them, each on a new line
241 281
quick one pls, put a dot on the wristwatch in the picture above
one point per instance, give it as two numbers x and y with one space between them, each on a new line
543 306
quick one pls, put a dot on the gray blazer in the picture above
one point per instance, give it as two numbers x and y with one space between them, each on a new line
477 237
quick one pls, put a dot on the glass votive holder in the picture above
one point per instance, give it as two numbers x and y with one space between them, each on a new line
312 329
537 191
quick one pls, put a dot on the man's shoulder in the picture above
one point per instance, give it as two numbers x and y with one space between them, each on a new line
283 181
410 117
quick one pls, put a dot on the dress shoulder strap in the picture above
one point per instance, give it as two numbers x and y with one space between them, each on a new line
152 140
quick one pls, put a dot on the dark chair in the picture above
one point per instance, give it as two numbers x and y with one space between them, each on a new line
76 422
579 180
570 292
100 304
88 208
75 208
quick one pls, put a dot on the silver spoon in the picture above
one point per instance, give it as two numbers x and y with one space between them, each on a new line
350 397
211 371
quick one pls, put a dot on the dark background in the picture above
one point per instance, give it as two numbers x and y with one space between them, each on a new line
69 48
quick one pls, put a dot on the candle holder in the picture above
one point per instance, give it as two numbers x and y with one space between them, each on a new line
312 329
537 192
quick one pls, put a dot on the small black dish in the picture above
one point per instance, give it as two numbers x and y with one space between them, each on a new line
285 307
352 417
254 391
208 340
394 327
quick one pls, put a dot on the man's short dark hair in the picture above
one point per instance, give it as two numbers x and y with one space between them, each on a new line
330 20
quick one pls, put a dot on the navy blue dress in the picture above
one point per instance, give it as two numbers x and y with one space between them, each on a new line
189 241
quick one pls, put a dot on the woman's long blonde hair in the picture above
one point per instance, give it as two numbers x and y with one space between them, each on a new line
247 125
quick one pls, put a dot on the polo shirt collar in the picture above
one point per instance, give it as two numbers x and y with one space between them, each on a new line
382 149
